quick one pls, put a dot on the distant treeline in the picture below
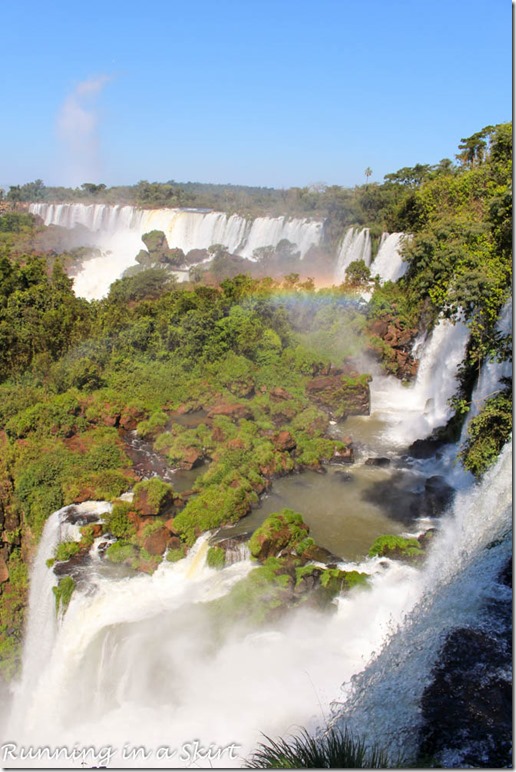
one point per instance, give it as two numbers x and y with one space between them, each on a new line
394 205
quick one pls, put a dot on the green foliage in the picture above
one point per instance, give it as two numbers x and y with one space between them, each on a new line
121 552
216 557
66 550
357 273
152 495
487 433
173 555
284 530
117 521
392 546
63 592
332 749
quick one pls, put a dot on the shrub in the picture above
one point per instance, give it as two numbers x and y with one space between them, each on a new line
66 550
63 592
117 521
151 496
332 749
392 546
216 557
121 552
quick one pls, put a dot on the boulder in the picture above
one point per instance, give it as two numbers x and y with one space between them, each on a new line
283 441
341 394
4 571
381 461
233 411
156 543
191 458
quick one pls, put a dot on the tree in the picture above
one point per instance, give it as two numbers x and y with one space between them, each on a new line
368 173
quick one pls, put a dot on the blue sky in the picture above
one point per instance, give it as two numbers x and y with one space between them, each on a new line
256 92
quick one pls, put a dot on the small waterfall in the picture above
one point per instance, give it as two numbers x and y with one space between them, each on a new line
117 231
457 581
415 410
388 263
489 380
41 622
356 245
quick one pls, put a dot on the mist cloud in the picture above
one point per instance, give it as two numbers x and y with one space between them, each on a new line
77 126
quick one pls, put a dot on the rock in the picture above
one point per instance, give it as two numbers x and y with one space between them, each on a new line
280 532
191 458
438 495
344 477
196 256
381 461
341 394
278 393
284 441
130 417
234 411
157 542
426 448
344 456
4 571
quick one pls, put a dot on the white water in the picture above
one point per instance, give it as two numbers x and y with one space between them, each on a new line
388 263
356 245
137 661
117 231
458 578
415 410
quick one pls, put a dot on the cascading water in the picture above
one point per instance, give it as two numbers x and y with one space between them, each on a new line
457 581
142 662
388 263
356 245
414 411
117 231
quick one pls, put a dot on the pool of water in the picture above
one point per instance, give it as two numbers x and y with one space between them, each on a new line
347 507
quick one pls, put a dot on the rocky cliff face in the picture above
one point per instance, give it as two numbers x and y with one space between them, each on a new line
392 343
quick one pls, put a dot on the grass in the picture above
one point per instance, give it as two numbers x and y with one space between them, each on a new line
334 749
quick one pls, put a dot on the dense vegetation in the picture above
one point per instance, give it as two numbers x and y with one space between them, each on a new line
77 376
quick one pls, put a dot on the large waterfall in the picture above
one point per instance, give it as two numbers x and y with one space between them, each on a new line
117 231
137 672
388 263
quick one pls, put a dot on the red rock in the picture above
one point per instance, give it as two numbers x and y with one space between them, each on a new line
284 441
4 571
279 393
156 542
234 412
192 457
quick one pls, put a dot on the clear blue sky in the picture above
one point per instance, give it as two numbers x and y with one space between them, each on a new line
256 92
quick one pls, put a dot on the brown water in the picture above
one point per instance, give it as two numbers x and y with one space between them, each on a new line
347 508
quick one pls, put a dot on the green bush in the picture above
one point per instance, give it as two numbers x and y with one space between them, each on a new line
117 521
63 592
121 552
66 550
487 434
216 557
392 546
152 495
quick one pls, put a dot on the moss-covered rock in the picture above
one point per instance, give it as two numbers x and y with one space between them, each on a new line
344 395
280 534
397 547
151 497
216 557
63 592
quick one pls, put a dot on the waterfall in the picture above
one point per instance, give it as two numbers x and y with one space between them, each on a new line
491 373
415 410
457 581
117 231
388 263
140 662
356 245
